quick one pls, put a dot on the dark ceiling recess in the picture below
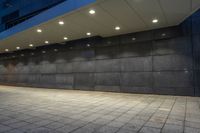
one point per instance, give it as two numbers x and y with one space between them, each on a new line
10 17
7 4
14 18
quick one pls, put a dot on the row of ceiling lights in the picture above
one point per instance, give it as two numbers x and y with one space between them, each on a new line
92 12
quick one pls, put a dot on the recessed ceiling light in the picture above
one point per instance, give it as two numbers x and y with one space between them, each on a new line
32 53
39 30
55 50
61 22
117 28
88 45
133 38
163 34
92 11
31 45
6 50
17 47
65 38
155 21
186 71
43 52
46 42
88 34
109 42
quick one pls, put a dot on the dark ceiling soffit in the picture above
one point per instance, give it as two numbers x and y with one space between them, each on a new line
58 10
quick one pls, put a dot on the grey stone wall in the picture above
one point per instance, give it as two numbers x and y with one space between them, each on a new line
155 62
196 67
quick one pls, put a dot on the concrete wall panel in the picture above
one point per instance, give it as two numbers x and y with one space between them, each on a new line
172 62
107 88
180 45
144 62
173 79
137 79
107 79
64 67
84 66
138 89
47 68
111 65
136 64
109 52
64 80
136 49
84 81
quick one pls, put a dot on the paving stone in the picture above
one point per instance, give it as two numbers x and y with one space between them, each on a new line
154 124
116 124
124 130
4 128
18 124
107 129
192 124
90 128
191 130
133 126
14 131
168 128
40 130
28 128
175 122
55 125
43 122
149 130
67 128
101 121
36 110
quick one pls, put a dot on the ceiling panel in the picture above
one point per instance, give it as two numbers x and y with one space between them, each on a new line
148 10
103 19
195 4
122 13
130 15
176 10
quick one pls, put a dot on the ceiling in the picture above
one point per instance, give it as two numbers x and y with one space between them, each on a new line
130 15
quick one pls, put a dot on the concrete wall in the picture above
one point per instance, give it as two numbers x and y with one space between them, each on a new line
157 62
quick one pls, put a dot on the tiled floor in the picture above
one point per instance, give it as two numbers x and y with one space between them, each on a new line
32 110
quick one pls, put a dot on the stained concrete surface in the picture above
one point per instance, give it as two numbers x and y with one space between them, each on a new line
151 64
37 110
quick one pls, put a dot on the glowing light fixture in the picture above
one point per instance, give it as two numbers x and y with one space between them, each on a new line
117 28
88 34
61 22
39 30
155 21
47 42
30 45
92 11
